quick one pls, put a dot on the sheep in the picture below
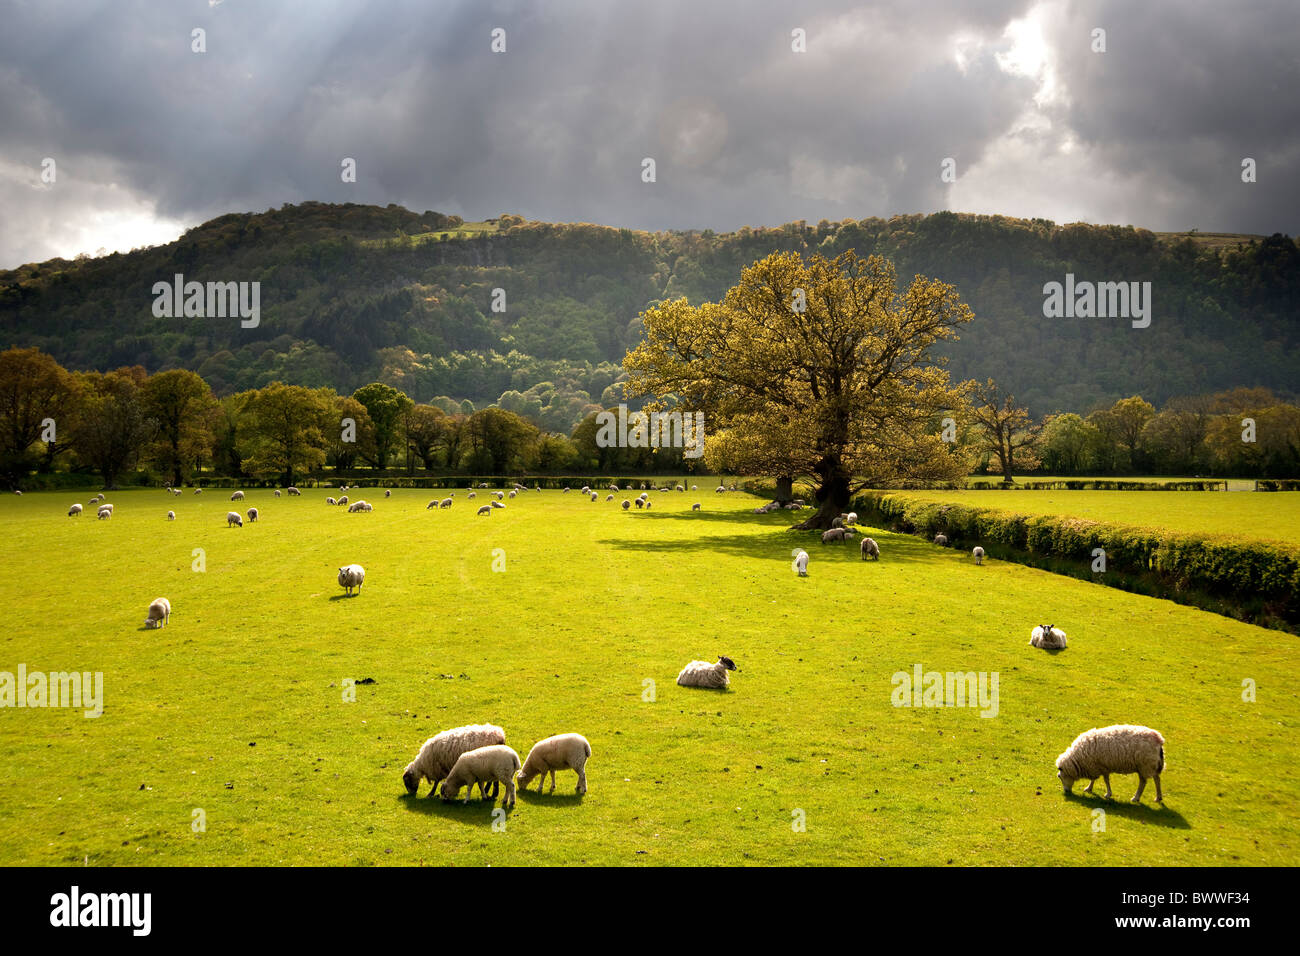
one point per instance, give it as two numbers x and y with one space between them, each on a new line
640 502
835 534
513 493
233 518
626 504
330 501
851 518
704 674
1120 748
483 484
160 611
609 497
870 549
565 491
352 576
595 496
695 487
103 514
388 493
74 511
342 500
106 506
613 487
433 503
719 490
360 505
237 496
485 510
647 506
978 554
941 540
696 506
445 503
252 515
472 494
439 753
837 522
679 488
171 516
277 492
198 491
1047 637
496 504
175 491
561 752
495 763
291 491
800 563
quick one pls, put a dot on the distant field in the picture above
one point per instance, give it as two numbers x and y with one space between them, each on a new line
464 230
1212 240
1272 516
236 708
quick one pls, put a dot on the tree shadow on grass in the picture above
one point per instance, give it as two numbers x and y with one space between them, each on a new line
476 812
1157 813
773 540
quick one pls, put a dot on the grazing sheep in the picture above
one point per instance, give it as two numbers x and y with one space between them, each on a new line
496 504
360 505
445 503
609 497
851 518
941 540
613 487
978 554
106 506
719 490
679 488
277 492
352 576
440 753
696 506
626 504
565 491
252 515
198 491
870 549
695 487
640 502
800 563
647 506
513 493
835 534
291 491
1047 637
343 500
1120 748
483 484
103 513
160 611
704 674
237 496
330 501
171 516
74 511
485 510
233 518
594 496
837 522
472 494
433 503
561 752
496 763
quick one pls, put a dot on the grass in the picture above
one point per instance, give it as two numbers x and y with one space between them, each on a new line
236 708
1263 516
464 231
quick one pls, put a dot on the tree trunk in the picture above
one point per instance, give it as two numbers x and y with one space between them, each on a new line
833 495
785 489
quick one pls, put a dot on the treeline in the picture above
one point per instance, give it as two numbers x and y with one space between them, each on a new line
358 294
170 426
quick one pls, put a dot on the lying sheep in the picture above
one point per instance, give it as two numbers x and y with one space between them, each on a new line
237 496
1121 748
561 752
439 753
252 515
160 611
171 516
496 504
836 534
494 764
485 510
352 576
74 511
704 674
1047 637
800 564
941 540
870 549
483 484
978 554
233 518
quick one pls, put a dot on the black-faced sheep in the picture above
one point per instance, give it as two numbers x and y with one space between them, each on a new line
704 674
561 752
439 753
1121 748
237 496
74 511
1047 637
485 510
233 519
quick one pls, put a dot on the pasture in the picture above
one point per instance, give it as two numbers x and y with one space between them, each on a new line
236 708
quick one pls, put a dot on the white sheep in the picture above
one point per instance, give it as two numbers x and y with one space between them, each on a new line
485 510
870 549
941 540
704 674
360 505
851 518
445 503
483 484
352 576
237 496
342 500
160 612
695 487
1047 637
561 752
800 563
233 518
719 490
513 493
198 491
291 491
978 554
433 503
496 504
472 494
595 496
388 493
106 506
494 764
836 534
74 511
330 501
439 753
252 515
609 497
277 492
103 514
171 516
1120 748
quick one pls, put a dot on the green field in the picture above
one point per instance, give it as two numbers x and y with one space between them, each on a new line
1260 516
236 708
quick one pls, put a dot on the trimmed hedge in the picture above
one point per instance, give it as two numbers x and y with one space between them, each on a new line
1277 484
1102 484
1238 570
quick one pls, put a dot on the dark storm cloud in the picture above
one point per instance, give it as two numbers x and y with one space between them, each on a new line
743 130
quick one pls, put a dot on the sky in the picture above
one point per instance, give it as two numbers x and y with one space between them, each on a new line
116 133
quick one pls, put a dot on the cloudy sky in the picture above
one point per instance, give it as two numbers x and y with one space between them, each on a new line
149 137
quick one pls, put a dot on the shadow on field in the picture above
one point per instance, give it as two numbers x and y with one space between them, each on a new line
557 799
773 540
475 812
345 597
1157 813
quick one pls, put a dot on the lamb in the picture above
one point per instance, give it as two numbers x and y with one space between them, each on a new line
445 503
104 513
160 611
941 540
561 752
640 502
800 564
1047 637
291 491
277 492
496 763
704 674
851 518
1120 748
696 506
171 516
440 753
565 491
74 511
835 534
252 515
433 503
237 496
626 504
485 510
352 576
233 518
870 549
719 490
978 554
644 496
